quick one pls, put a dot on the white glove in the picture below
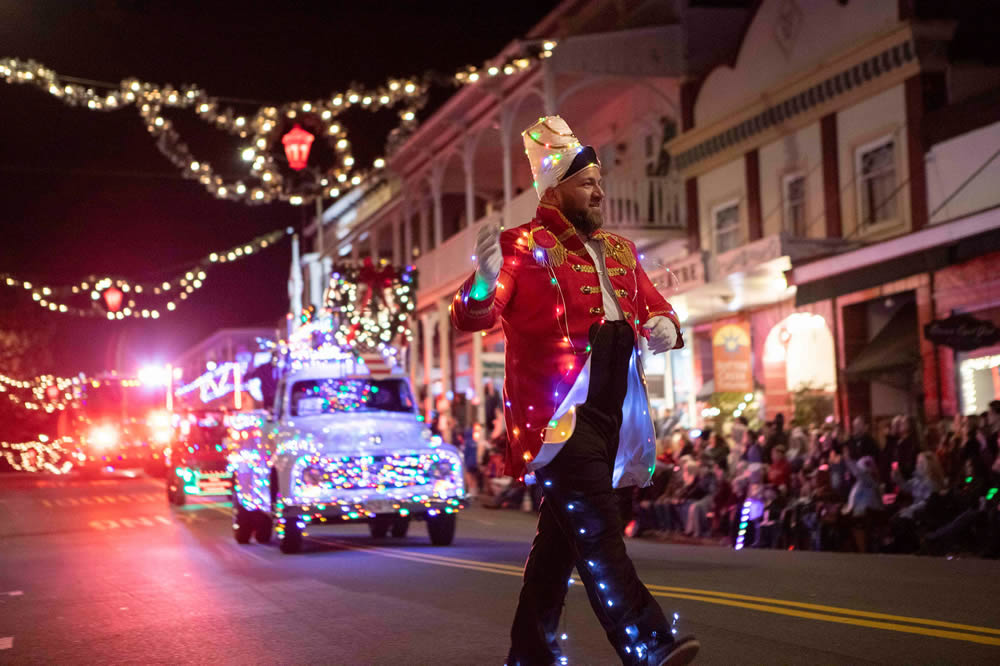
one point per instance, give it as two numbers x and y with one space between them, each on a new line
489 258
662 334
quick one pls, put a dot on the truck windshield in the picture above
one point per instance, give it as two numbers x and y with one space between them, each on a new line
329 396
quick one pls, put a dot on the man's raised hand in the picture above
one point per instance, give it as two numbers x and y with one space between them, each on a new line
489 258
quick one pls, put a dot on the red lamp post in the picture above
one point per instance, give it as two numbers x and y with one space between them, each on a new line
113 298
297 143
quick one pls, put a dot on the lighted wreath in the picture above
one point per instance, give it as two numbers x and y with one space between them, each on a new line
371 304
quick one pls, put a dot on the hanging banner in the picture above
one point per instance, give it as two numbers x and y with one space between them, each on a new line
733 369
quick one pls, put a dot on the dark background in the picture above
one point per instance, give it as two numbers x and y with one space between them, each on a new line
85 192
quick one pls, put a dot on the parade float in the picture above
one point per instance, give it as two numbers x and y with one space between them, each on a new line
343 440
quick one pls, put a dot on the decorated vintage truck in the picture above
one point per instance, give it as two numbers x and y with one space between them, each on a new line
344 442
340 449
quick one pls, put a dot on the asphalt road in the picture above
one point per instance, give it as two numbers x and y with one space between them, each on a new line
105 572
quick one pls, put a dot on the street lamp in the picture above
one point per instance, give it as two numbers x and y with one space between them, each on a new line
297 143
113 298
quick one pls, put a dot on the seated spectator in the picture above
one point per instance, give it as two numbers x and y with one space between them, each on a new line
717 451
672 507
753 447
779 471
682 445
863 502
861 443
968 507
717 503
798 448
924 493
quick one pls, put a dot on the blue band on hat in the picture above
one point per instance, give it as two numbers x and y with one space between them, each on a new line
586 157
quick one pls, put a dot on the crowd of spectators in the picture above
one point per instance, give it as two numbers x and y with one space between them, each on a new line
928 489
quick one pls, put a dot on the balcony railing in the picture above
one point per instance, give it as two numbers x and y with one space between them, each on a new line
635 203
649 202
452 260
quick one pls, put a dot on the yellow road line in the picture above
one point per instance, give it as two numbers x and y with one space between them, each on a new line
829 609
723 599
770 605
404 555
890 626
730 595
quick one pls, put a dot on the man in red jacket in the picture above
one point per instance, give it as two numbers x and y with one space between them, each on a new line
572 300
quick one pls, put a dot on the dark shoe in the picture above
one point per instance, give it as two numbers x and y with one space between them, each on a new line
682 652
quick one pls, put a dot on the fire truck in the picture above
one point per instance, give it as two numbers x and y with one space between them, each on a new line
119 424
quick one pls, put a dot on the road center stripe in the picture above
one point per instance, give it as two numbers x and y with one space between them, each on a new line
724 599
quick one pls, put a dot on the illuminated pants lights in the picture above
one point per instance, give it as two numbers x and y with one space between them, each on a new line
581 525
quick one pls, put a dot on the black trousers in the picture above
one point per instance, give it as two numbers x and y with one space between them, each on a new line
580 526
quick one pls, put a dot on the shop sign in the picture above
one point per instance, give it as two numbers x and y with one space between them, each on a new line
733 371
962 332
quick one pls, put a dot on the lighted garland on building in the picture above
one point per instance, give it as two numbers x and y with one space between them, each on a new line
41 455
118 298
264 128
47 393
509 67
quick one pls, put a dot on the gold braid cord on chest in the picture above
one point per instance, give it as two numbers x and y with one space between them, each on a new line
619 251
546 248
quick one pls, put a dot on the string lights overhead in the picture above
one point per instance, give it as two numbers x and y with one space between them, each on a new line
46 393
119 298
265 130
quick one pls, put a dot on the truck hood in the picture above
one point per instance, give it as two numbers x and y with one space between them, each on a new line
367 433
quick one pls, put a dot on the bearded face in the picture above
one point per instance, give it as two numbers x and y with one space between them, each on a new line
586 221
579 198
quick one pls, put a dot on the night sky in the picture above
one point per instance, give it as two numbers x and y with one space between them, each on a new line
85 192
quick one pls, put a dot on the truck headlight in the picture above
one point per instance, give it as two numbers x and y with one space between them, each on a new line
103 437
312 475
440 469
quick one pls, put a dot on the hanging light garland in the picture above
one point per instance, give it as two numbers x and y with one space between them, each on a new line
47 393
509 67
42 455
265 127
121 297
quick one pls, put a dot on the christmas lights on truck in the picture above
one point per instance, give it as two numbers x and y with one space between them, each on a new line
344 442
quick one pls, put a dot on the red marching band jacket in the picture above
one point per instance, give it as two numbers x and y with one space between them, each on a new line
547 297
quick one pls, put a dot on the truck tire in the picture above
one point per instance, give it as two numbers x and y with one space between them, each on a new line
291 540
243 521
262 527
441 528
175 490
400 526
379 526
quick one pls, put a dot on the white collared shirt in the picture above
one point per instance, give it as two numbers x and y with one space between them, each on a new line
612 311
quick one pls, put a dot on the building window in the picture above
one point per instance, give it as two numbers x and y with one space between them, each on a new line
726 221
794 194
876 164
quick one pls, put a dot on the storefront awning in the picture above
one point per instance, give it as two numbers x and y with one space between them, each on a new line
893 352
926 250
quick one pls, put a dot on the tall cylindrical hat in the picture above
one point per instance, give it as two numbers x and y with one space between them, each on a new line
555 153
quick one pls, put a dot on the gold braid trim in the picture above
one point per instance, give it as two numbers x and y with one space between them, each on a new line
619 251
551 256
